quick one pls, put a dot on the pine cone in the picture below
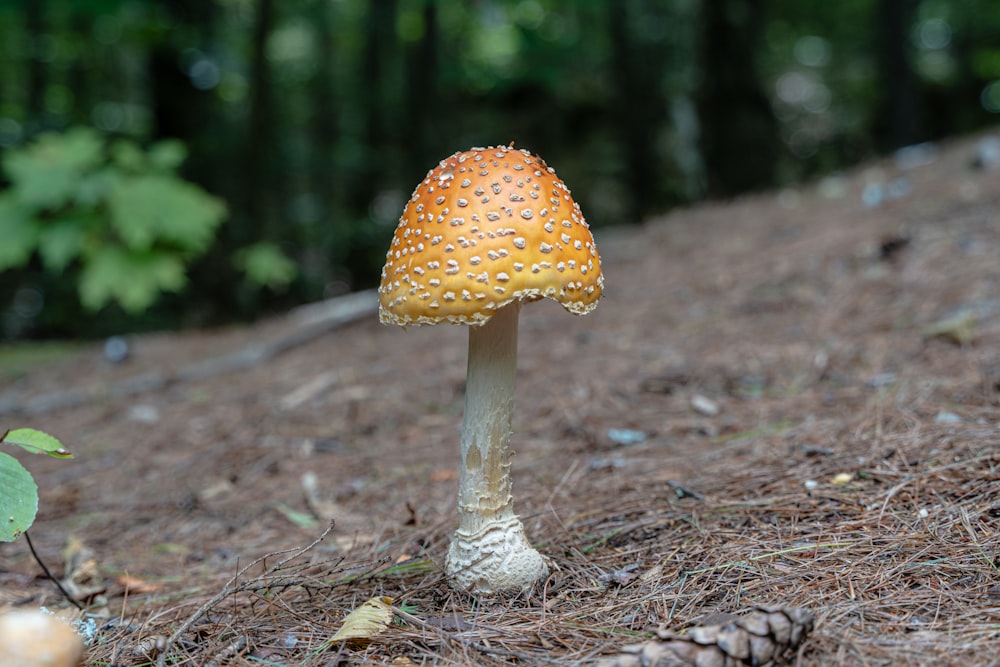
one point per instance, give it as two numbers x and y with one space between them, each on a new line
763 638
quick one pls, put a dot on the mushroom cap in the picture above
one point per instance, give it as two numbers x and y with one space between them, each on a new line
35 639
485 228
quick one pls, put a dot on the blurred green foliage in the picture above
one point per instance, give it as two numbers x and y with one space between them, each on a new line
111 218
264 264
314 119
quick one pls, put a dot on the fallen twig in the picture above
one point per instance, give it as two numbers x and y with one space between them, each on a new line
305 324
228 589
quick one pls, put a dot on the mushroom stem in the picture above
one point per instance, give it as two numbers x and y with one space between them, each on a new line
484 494
489 552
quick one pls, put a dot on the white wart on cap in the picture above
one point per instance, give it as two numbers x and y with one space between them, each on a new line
488 227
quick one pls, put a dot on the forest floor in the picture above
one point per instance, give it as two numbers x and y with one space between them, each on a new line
791 399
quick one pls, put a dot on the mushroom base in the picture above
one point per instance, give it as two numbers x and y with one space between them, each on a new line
495 559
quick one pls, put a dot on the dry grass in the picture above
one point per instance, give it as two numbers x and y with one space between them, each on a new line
853 468
900 564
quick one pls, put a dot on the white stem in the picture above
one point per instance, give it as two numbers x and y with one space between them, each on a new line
489 552
484 493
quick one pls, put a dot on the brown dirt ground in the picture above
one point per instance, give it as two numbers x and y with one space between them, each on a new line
805 316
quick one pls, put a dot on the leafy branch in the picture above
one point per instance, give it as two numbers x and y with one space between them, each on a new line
18 491
118 216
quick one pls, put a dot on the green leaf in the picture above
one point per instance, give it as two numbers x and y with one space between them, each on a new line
19 233
47 173
133 279
153 207
127 156
300 519
18 498
95 186
167 155
61 242
986 63
264 264
36 442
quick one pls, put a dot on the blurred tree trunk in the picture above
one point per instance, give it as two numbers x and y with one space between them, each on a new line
260 142
182 110
185 107
740 141
640 109
424 120
323 122
34 26
324 221
79 75
380 41
896 121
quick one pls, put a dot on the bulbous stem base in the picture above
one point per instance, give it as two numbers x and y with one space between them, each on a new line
496 559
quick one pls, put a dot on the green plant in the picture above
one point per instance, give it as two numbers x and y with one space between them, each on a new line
265 265
18 491
118 214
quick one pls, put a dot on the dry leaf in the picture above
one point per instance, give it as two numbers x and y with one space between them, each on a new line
444 475
137 586
622 577
149 647
83 578
323 508
958 329
365 622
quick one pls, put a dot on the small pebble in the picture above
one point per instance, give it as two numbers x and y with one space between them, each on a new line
595 463
881 380
810 484
626 436
842 478
987 155
704 405
35 639
947 418
898 188
916 155
873 195
144 413
833 187
116 349
923 513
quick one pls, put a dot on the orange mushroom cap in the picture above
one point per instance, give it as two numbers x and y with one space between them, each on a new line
485 228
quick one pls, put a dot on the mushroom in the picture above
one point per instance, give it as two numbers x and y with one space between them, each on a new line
487 230
31 638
